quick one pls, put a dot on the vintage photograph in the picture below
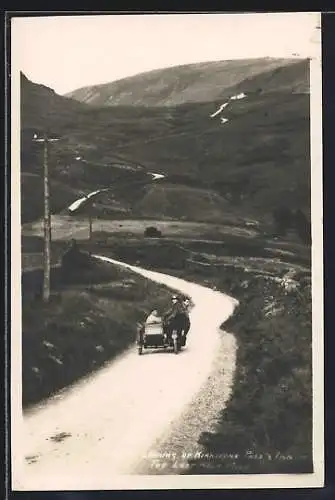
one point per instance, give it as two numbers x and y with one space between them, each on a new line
167 327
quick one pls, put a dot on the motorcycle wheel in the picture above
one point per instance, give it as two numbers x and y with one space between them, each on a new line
140 350
175 346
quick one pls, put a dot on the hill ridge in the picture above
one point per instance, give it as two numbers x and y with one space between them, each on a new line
158 70
198 82
256 160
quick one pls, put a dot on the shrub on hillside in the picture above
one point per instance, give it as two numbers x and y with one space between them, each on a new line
282 219
152 232
303 227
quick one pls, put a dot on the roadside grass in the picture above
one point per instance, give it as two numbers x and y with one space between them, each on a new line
32 252
216 246
92 316
179 252
266 426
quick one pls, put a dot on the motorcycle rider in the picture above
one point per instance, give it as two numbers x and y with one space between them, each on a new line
172 314
186 304
187 323
175 308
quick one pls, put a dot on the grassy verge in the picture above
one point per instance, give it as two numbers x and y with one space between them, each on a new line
209 245
267 425
91 317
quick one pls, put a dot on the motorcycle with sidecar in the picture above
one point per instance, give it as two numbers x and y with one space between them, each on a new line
164 334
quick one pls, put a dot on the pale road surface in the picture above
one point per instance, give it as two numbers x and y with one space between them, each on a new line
112 418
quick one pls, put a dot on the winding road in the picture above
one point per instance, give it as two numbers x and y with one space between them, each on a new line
107 423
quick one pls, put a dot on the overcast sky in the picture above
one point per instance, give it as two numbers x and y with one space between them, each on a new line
66 53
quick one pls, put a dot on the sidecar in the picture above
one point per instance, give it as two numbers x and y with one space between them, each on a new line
154 336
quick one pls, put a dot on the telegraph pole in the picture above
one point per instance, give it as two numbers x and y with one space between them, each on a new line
47 224
47 219
90 222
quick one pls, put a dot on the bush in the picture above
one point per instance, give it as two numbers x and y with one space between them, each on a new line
152 232
282 218
303 227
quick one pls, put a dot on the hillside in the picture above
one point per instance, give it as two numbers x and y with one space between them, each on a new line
245 153
181 84
40 105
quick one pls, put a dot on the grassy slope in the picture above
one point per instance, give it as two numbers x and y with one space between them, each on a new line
261 155
91 317
267 424
183 202
253 161
58 110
